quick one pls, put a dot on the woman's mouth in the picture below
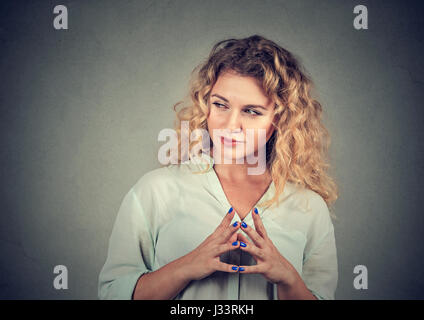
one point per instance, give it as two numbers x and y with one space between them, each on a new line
229 142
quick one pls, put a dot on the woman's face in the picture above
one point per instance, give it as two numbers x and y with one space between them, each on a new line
239 106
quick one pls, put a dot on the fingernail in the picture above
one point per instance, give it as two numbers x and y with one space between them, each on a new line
243 224
234 267
256 211
231 210
235 243
235 224
242 244
241 269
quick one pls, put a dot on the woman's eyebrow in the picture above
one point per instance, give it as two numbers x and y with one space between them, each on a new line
247 105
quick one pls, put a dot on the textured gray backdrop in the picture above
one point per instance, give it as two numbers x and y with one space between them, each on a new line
81 110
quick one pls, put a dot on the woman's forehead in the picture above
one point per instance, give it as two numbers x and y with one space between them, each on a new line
240 89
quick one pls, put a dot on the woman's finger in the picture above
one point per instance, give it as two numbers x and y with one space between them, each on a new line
228 232
226 247
256 238
258 268
225 221
254 251
233 237
259 226
221 266
242 237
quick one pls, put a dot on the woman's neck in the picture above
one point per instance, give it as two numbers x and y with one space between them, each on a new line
238 173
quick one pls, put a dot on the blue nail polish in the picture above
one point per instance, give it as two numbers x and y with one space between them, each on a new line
231 210
234 243
235 224
242 244
234 268
256 211
241 269
243 224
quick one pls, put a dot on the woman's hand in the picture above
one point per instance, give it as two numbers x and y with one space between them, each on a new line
205 260
270 263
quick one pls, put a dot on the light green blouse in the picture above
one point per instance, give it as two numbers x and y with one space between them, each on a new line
171 210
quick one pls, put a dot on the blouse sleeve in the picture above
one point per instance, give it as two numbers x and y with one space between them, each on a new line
130 252
320 269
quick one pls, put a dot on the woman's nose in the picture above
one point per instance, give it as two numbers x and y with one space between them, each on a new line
234 121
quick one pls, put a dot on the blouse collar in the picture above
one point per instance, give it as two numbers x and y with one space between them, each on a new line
206 163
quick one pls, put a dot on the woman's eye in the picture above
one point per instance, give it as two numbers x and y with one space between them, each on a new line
253 112
218 105
250 112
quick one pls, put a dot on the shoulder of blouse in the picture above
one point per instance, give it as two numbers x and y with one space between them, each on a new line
305 200
166 176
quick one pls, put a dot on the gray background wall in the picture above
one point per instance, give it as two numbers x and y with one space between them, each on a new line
81 110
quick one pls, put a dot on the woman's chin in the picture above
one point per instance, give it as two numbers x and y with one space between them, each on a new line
231 159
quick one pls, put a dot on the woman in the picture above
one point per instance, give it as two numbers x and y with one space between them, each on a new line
211 229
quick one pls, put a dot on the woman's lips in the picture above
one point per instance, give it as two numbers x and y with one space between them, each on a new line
231 142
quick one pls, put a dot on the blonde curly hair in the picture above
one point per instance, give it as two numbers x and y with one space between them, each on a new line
297 150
